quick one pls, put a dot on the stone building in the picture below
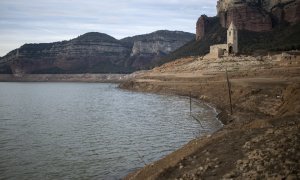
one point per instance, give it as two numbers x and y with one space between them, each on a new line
230 48
232 39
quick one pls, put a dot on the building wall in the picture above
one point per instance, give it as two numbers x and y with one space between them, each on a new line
231 47
218 50
232 39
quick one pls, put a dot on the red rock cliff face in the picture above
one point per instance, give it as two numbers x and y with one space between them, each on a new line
247 18
289 12
258 15
200 27
252 15
292 12
203 25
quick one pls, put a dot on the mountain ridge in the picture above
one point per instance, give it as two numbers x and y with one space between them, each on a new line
93 52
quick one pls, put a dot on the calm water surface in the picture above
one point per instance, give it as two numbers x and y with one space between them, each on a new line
89 131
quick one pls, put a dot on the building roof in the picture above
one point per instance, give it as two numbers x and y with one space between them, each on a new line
232 26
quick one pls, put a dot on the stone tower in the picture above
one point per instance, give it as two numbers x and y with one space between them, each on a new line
232 39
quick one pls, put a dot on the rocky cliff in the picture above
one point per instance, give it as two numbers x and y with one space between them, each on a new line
258 15
148 49
246 17
282 38
93 53
253 15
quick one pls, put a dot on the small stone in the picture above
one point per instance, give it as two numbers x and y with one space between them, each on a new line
216 159
292 177
257 139
247 145
259 168
206 167
239 162
229 175
250 175
278 132
270 131
289 162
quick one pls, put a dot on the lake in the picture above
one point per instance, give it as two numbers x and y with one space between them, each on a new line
90 130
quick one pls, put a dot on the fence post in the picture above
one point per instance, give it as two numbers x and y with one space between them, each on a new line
229 92
190 102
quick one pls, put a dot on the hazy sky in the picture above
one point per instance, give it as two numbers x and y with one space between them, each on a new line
34 21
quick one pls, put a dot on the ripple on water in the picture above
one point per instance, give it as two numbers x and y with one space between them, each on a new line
90 131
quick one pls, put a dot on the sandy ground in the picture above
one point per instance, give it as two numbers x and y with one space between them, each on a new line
261 140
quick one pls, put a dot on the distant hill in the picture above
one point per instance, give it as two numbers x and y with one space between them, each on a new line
93 53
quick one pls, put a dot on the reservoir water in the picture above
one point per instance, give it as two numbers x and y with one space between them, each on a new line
90 130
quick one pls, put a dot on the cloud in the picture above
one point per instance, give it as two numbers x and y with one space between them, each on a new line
33 21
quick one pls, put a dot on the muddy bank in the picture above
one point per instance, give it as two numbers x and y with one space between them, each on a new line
260 139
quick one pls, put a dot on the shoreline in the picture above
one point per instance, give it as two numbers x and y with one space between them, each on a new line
191 146
101 78
260 140
264 98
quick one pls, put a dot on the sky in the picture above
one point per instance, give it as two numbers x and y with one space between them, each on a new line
40 21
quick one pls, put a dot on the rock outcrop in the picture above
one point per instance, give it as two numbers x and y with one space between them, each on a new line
148 49
93 53
245 15
258 12
204 25
288 12
253 15
201 27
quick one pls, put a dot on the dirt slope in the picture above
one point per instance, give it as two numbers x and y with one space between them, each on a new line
260 140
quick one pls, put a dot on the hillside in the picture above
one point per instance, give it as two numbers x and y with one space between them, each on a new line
282 38
93 53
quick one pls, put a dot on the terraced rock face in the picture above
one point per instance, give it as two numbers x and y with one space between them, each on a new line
93 53
257 15
148 49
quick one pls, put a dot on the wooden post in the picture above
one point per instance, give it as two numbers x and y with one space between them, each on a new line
229 92
190 103
141 157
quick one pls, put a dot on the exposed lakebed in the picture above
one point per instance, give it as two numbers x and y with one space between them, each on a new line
90 130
